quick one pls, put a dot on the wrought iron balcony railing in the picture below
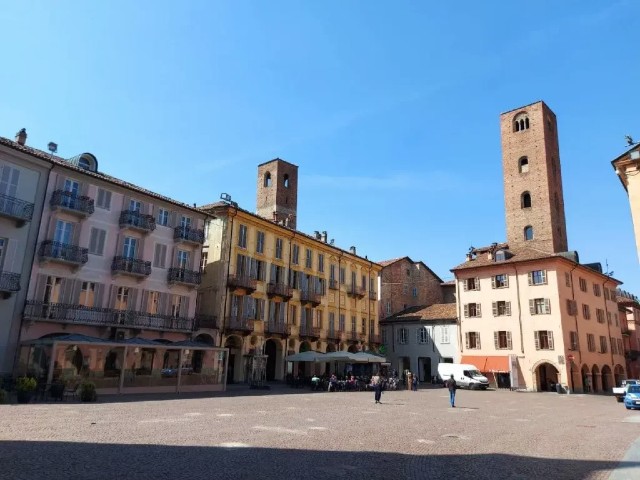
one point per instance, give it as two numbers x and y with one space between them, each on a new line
240 324
242 281
277 327
307 330
16 209
131 266
355 291
333 284
355 336
105 317
375 338
279 290
310 297
71 202
188 234
333 334
184 276
136 220
62 252
206 321
9 282
373 295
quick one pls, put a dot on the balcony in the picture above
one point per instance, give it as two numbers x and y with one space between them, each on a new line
239 324
182 276
18 210
51 251
242 282
81 206
188 235
206 321
333 285
279 328
375 338
104 317
310 298
309 331
9 283
279 290
373 295
333 334
355 291
356 337
137 221
131 266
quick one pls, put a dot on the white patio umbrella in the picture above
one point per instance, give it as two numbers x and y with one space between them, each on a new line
363 357
339 357
309 356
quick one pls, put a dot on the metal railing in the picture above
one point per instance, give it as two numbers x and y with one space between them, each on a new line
277 327
373 295
375 338
9 282
239 323
334 334
182 275
310 297
63 252
279 289
188 234
135 219
15 208
71 201
242 281
333 284
133 266
206 321
355 291
309 331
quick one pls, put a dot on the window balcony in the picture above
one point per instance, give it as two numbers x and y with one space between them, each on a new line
355 291
9 283
375 338
309 331
279 328
74 255
15 209
373 295
356 337
333 285
188 235
333 334
104 317
183 276
310 298
137 221
239 324
81 206
279 290
206 321
131 266
242 282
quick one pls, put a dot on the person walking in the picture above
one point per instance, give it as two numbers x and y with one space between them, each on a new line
452 386
414 384
377 387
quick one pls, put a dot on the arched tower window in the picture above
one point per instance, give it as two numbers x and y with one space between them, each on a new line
286 181
520 122
526 122
267 179
523 165
525 200
528 232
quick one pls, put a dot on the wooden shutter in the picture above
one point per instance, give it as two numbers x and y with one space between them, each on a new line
100 197
144 303
184 307
494 307
41 286
76 233
99 294
478 310
113 293
163 303
466 339
547 305
93 241
465 285
532 307
102 234
156 256
126 201
272 275
507 308
466 310
543 276
550 337
77 289
530 278
493 282
477 283
478 345
496 339
506 280
509 344
536 337
132 301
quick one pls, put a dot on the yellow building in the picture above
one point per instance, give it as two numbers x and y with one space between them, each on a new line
627 167
276 291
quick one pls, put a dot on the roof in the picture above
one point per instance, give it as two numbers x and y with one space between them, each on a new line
525 106
61 162
431 313
277 159
388 263
448 283
219 205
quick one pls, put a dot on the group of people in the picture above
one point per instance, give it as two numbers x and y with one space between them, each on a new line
450 383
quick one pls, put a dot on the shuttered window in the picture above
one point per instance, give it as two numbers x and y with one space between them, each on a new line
502 340
104 199
501 308
539 306
160 256
537 277
96 241
573 340
472 340
543 339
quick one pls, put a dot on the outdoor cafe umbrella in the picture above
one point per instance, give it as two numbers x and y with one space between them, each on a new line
365 357
339 357
308 356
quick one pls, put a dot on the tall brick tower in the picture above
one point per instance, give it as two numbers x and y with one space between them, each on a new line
277 193
534 204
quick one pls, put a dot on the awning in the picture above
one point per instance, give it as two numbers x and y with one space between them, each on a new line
488 363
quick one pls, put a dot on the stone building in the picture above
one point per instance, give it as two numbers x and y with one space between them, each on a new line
627 167
274 290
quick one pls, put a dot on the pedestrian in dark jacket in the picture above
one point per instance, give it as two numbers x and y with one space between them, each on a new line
377 387
452 386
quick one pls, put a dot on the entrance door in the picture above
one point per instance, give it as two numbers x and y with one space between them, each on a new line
230 367
425 369
271 351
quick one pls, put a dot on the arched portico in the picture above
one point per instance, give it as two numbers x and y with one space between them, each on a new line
234 344
274 351
547 376
606 378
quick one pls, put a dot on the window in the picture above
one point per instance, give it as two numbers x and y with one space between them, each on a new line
422 336
471 284
543 339
444 335
260 242
63 233
353 324
52 290
96 241
286 181
620 348
402 336
163 216
321 262
538 277
372 327
160 256
614 348
606 294
591 342
523 165
153 303
242 238
363 326
528 232
267 179
615 317
295 254
567 279
364 282
405 289
130 247
500 281
521 123
609 318
603 344
135 205
182 259
4 242
309 258
472 340
87 294
341 322
613 295
596 289
501 256
122 298
279 248
501 308
293 313
583 284
573 340
572 307
415 292
600 315
203 260
539 306
502 340
104 199
343 275
319 319
383 332
586 313
176 306
388 307
525 200
472 310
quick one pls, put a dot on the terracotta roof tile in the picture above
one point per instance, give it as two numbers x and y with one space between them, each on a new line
386 263
517 255
438 311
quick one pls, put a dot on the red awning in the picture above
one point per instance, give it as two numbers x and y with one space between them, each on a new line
488 363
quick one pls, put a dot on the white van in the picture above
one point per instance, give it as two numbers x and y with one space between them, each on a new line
466 376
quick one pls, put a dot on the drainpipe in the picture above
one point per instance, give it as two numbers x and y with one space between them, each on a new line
515 268
226 288
459 321
286 311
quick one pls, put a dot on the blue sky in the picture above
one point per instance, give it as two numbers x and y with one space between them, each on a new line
390 109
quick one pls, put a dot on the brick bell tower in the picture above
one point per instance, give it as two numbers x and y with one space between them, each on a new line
533 200
277 193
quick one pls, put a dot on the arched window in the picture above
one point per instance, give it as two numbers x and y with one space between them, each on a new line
526 122
267 179
523 165
520 122
517 127
500 256
84 163
525 200
286 181
528 232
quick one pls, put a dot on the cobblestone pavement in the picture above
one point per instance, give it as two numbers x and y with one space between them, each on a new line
292 435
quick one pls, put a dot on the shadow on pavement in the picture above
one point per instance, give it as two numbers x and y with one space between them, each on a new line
66 460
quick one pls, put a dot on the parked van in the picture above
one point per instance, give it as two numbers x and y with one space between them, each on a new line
466 376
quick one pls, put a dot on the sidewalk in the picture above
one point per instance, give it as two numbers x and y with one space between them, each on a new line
629 466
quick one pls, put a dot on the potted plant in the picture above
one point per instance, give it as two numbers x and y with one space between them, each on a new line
25 387
88 392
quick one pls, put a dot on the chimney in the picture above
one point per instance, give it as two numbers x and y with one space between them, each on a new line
324 236
316 234
352 249
21 136
469 257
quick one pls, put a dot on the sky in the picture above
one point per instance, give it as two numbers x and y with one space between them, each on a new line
390 109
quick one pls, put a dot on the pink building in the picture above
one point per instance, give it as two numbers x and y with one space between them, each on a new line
629 313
